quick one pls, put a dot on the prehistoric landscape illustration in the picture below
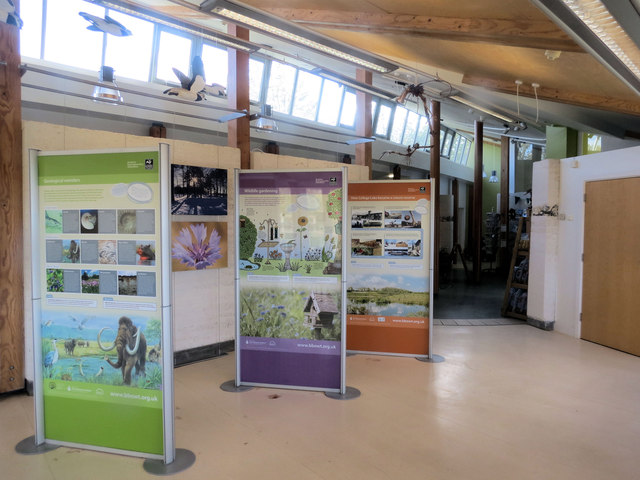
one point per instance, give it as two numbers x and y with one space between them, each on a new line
102 349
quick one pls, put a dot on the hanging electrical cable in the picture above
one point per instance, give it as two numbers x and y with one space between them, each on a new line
518 83
535 91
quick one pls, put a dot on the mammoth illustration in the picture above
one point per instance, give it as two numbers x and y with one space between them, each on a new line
131 347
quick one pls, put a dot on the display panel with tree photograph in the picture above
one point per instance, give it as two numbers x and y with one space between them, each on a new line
198 190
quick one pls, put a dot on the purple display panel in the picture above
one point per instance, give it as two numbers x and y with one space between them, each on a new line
290 289
283 361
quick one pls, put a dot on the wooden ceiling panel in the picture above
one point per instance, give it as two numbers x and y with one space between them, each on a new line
540 34
520 9
493 61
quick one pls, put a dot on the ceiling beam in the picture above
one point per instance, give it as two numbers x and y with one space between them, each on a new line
569 97
540 34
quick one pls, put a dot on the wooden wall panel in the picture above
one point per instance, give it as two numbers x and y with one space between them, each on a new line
611 272
239 130
11 265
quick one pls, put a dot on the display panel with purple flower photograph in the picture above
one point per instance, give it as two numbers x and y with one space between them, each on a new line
198 245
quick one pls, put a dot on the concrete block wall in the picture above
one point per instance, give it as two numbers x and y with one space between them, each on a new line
543 251
573 174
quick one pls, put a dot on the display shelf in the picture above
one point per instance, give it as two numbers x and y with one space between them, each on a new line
515 295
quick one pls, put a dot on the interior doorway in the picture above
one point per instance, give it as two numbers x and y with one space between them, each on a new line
611 265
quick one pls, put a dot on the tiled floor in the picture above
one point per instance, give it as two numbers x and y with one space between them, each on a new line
510 402
476 322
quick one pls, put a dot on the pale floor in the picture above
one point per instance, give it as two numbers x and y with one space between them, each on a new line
509 402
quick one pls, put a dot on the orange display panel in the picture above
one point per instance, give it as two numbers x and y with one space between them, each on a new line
389 258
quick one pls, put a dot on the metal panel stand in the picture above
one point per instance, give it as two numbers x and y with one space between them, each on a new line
349 394
432 359
183 459
230 386
28 447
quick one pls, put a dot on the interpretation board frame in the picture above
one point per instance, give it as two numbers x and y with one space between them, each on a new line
388 239
96 210
293 259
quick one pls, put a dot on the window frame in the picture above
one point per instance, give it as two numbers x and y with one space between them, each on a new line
386 103
196 46
345 91
404 123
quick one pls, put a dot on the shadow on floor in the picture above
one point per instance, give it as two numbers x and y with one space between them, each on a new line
465 303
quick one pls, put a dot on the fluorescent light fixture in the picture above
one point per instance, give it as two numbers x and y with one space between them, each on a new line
608 29
475 106
272 25
349 82
107 91
200 31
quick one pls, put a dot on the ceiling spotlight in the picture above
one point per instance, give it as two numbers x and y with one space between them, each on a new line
107 91
264 120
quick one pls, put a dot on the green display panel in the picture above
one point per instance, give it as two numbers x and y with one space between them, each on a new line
100 307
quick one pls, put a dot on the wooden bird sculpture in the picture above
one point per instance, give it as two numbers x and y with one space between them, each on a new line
191 88
106 25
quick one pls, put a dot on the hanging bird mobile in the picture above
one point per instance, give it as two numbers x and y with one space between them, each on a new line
106 25
8 14
195 87
215 89
191 88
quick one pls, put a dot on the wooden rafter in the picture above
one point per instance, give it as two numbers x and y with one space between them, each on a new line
541 34
569 97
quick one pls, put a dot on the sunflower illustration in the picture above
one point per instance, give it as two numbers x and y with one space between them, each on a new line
302 221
